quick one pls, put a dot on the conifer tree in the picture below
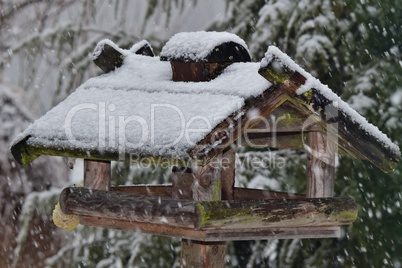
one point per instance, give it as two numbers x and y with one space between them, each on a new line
354 47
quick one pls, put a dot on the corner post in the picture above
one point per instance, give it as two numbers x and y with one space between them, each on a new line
97 174
207 186
320 165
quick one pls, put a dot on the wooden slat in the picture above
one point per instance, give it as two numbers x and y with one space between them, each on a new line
148 190
238 192
285 118
256 194
214 235
275 213
282 140
274 233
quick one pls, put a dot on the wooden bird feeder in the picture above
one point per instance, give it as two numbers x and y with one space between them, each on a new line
191 107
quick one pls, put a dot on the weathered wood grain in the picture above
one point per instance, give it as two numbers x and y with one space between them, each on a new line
148 190
207 181
182 183
257 194
275 213
238 192
207 187
320 165
212 235
228 174
97 174
203 215
119 205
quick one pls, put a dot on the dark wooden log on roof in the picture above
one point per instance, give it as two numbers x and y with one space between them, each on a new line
225 52
108 57
143 48
207 68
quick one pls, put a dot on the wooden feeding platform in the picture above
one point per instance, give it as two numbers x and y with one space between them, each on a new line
238 219
190 108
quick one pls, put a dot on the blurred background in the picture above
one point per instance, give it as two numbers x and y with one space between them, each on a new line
354 46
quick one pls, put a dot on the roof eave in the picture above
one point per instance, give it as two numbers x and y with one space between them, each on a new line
24 153
351 137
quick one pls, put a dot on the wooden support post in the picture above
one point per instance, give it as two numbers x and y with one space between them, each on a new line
207 186
97 174
194 253
320 165
202 254
228 174
182 182
207 181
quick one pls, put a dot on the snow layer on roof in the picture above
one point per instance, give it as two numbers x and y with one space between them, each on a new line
312 82
197 45
137 109
152 75
134 122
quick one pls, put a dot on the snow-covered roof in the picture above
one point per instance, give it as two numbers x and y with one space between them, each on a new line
138 110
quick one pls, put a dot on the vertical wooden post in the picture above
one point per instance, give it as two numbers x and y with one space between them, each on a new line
182 183
196 254
97 174
320 165
207 186
228 174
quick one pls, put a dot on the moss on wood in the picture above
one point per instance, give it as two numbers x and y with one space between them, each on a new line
25 153
276 213
275 72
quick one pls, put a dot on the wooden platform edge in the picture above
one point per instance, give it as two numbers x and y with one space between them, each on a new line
215 235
